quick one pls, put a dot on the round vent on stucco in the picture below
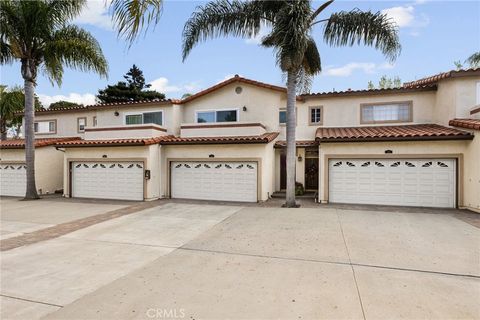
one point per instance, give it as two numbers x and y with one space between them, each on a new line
238 90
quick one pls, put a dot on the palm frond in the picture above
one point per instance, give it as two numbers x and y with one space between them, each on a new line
62 11
75 48
312 63
224 18
290 34
347 28
130 17
474 60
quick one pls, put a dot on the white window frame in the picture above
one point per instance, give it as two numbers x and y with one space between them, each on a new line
48 121
389 103
79 130
141 113
237 110
310 109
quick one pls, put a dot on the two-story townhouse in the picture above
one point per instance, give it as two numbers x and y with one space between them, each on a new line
381 146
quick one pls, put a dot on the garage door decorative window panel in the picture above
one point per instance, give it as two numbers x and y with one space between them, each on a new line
403 182
119 180
222 181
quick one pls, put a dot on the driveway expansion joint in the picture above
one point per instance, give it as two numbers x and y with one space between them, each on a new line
332 262
29 300
350 262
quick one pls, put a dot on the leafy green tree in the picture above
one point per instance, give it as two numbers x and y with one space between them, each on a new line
62 104
38 34
386 83
134 89
458 64
12 103
291 24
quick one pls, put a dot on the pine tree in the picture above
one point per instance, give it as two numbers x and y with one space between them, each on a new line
134 89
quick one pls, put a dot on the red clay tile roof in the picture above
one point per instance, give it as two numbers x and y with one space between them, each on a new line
43 142
465 123
449 74
263 138
113 142
369 91
299 143
170 140
390 133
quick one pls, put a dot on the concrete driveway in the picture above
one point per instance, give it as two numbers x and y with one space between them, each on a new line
19 217
206 261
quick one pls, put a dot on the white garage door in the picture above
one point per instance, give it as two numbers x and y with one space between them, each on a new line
403 182
108 180
223 181
13 179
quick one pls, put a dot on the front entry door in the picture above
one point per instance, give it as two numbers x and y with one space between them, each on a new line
311 173
283 171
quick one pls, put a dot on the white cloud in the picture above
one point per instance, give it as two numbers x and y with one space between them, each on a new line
349 68
405 16
96 13
85 99
163 85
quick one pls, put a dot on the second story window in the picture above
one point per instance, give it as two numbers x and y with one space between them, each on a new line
144 118
386 112
315 115
81 124
45 127
282 116
217 116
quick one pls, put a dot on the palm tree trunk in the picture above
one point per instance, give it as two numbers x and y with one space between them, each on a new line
3 129
291 145
31 192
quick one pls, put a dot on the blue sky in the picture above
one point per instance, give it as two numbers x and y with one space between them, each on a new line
433 35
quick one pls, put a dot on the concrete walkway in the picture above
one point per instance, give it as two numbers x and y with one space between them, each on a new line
199 261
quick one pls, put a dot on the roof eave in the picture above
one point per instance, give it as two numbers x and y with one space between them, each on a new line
386 139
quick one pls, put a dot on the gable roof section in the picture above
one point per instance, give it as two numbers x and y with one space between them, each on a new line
390 133
234 79
43 142
444 75
465 123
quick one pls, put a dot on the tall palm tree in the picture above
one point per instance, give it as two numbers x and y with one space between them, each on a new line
38 35
291 23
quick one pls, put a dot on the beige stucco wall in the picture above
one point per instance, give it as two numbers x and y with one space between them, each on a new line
150 154
171 115
455 98
66 123
262 104
345 111
471 181
48 167
223 129
402 149
255 152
